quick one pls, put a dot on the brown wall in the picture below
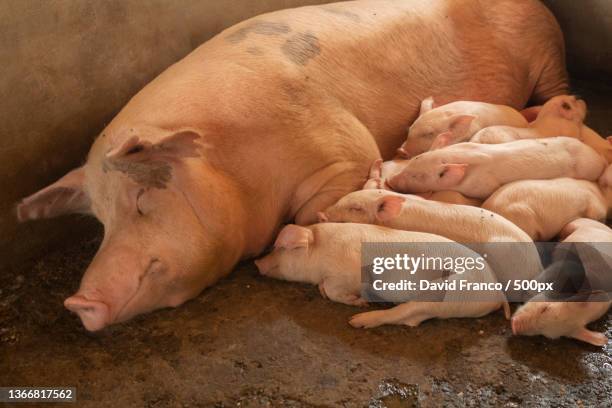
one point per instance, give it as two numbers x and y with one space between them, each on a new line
587 26
67 68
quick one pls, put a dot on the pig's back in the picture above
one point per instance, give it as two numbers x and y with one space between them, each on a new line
460 223
377 58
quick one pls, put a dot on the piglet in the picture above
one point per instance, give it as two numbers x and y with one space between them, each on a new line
556 319
453 123
477 170
451 197
408 212
562 115
605 184
505 244
542 208
329 255
380 171
561 319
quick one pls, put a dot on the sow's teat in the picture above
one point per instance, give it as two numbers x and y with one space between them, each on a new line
483 272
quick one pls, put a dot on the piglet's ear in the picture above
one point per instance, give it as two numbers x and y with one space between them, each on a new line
376 168
531 113
452 174
65 196
427 104
389 207
322 217
459 126
294 236
442 140
172 147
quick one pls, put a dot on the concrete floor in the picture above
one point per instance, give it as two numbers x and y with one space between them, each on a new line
251 341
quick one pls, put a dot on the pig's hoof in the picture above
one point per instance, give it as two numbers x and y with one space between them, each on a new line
322 290
414 322
355 300
366 320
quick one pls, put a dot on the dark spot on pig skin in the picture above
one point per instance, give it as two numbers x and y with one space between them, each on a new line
301 48
258 27
150 174
343 13
255 51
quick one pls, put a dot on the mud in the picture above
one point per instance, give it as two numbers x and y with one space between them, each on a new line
256 342
252 341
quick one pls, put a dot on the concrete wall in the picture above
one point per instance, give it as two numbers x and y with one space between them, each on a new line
67 68
587 25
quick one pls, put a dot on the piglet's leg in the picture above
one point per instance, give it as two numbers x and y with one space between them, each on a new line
589 336
339 292
410 314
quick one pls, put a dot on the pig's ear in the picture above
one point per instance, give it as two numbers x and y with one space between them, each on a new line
65 196
294 236
531 113
442 140
451 174
376 169
459 126
426 105
389 207
589 336
169 148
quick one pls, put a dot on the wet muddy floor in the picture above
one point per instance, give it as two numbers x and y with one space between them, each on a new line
252 342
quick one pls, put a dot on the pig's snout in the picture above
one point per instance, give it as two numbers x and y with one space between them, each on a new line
266 265
518 325
94 314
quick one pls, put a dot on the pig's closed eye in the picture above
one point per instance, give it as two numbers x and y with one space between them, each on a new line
138 204
544 309
355 209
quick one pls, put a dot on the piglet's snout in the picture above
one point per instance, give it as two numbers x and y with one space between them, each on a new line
517 325
266 264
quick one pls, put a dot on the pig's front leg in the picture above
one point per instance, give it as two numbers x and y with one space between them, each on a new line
338 290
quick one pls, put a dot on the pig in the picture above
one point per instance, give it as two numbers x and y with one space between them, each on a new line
592 241
186 178
605 184
413 213
329 255
555 319
380 171
504 244
585 230
542 208
563 115
454 122
451 197
477 170
561 319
